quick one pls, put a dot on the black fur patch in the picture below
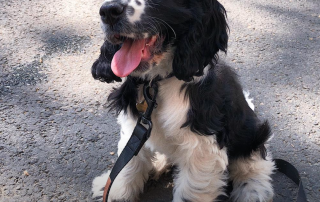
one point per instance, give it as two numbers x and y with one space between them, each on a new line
138 2
218 107
125 97
101 68
200 31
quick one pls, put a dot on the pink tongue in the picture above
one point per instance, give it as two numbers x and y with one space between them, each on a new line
128 57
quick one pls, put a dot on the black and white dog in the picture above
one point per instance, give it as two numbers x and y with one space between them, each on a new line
202 124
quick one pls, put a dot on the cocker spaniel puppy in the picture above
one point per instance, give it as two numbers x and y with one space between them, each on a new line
202 124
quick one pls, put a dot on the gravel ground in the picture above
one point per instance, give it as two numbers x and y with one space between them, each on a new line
56 133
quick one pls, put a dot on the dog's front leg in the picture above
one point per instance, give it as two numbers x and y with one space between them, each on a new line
202 167
130 181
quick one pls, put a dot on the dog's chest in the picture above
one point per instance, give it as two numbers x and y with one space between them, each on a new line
169 115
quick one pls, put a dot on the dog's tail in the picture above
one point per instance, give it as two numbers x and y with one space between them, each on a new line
264 134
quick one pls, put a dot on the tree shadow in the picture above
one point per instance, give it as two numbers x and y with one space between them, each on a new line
62 42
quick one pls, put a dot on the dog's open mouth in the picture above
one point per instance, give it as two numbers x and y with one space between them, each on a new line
132 53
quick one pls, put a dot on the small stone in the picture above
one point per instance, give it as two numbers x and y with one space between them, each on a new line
112 153
26 173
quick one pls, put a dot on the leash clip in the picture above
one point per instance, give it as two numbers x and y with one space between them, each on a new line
142 132
150 99
147 122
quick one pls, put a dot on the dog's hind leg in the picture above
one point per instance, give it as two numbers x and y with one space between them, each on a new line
202 169
251 179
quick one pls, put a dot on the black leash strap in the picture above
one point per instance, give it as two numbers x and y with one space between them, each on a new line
291 172
139 136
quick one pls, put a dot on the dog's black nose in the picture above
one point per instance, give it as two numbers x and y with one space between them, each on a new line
111 13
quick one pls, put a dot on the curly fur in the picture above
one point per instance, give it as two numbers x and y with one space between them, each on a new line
200 44
101 68
202 124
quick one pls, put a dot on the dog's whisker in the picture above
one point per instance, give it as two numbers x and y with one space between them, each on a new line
167 25
157 25
150 26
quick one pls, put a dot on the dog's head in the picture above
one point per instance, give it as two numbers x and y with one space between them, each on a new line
147 38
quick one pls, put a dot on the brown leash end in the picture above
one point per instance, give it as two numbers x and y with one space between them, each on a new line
106 190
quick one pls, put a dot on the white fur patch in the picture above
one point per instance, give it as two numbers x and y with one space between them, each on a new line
160 165
251 178
99 183
271 137
130 123
138 10
248 99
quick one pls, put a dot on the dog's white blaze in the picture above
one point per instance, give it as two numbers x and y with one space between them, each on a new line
138 10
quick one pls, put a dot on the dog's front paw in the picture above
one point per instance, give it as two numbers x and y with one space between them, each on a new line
120 190
98 185
253 191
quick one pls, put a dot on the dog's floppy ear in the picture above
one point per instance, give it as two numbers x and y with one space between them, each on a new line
101 68
208 33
